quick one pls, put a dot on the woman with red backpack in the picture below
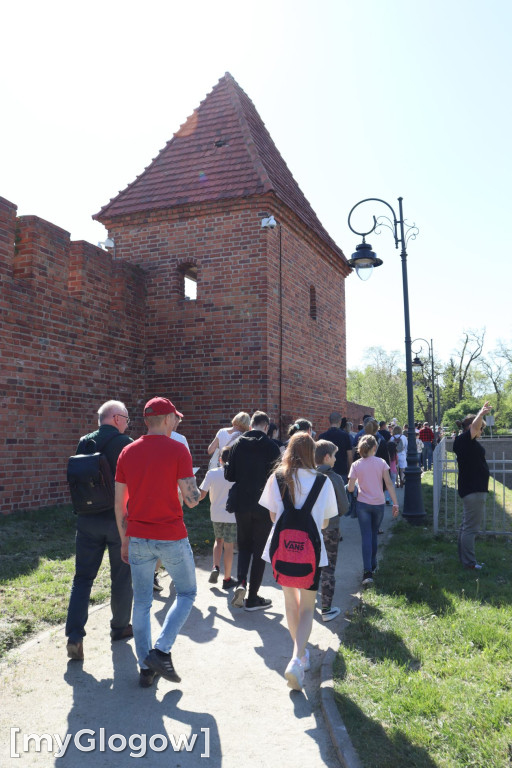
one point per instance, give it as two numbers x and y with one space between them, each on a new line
300 502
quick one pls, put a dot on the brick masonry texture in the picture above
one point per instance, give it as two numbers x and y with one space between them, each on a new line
72 321
80 326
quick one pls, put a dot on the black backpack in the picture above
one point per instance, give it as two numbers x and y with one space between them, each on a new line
90 480
295 546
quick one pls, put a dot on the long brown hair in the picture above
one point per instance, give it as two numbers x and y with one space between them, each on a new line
299 454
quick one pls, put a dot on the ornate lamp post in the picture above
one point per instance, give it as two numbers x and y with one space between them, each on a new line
364 260
416 363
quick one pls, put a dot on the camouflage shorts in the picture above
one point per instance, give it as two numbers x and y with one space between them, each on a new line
226 531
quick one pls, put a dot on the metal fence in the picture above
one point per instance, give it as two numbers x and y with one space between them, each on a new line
448 505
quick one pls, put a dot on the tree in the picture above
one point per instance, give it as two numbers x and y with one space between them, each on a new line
449 390
504 351
495 369
470 348
381 384
459 412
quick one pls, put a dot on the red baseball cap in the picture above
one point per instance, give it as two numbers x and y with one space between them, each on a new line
160 406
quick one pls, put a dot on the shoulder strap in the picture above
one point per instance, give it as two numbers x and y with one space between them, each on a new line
311 497
314 493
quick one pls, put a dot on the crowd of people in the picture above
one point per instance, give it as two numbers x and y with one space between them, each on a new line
276 502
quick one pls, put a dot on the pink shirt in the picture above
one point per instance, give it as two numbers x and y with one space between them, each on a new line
369 474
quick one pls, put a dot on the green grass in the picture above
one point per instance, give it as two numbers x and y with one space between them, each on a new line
37 565
424 676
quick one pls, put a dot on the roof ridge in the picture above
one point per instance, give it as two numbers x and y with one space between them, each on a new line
175 135
223 150
254 153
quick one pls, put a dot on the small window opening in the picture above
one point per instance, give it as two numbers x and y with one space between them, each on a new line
312 302
190 283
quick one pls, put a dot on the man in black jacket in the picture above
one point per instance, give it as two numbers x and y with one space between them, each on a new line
94 533
336 434
251 461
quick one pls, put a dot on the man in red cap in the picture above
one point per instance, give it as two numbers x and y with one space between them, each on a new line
150 521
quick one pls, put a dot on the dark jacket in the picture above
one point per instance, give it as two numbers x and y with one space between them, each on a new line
251 461
339 492
342 440
473 468
110 439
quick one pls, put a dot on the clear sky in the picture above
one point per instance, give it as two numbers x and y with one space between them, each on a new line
363 98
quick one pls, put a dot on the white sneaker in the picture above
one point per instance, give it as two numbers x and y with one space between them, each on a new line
306 666
238 598
330 614
294 673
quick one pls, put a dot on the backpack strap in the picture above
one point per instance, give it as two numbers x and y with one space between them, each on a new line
311 497
314 493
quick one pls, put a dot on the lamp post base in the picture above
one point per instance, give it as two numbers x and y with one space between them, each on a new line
413 510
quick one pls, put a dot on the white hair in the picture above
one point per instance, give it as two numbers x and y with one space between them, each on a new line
107 410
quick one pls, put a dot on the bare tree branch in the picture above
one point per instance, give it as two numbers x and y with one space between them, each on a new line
472 347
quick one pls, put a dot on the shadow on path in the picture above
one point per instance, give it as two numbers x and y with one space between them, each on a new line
119 706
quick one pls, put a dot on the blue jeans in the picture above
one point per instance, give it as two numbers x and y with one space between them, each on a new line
426 456
178 561
370 517
94 534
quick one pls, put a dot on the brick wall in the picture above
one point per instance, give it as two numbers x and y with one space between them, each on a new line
80 326
71 322
220 354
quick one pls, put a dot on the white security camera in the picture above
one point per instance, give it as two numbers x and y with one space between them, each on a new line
269 223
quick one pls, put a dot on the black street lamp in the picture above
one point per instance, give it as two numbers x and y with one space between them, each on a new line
364 260
417 363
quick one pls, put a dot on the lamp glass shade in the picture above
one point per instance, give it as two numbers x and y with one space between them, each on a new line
416 363
364 271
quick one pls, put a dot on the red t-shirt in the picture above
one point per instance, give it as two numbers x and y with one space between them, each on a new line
151 468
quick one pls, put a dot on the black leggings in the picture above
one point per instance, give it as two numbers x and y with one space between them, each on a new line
253 529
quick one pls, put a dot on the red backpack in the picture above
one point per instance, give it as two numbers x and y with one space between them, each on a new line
295 545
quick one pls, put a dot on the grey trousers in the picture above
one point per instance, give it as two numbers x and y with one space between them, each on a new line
473 506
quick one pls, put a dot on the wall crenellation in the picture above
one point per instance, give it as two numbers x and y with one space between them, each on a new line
68 342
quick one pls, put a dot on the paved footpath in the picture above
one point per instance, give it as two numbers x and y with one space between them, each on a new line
233 697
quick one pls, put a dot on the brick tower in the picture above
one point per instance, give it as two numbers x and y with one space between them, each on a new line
238 316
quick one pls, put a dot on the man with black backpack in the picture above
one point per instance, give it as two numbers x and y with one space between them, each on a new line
97 530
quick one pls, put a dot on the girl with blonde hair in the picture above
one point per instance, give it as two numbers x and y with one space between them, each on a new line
226 436
370 472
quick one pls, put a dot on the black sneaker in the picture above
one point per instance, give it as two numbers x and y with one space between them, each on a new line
257 604
214 576
367 578
157 587
146 678
228 583
161 663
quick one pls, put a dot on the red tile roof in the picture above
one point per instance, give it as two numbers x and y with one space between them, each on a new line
222 151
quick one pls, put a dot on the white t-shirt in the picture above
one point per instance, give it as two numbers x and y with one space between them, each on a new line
325 506
225 437
402 456
218 486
